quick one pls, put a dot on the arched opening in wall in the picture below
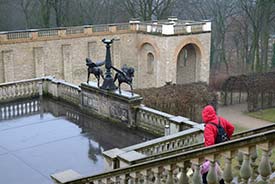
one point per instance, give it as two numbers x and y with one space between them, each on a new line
188 61
150 63
147 66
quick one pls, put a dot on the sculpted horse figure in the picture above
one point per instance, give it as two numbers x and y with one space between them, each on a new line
125 75
94 69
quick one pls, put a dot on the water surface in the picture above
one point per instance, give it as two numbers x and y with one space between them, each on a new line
39 138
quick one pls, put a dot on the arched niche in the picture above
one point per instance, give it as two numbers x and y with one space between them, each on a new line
188 63
147 66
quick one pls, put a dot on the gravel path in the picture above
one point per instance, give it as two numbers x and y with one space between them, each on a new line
235 114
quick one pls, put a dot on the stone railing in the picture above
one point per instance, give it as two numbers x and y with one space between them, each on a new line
152 120
168 143
161 123
20 89
34 87
69 92
18 109
116 158
239 159
165 146
161 27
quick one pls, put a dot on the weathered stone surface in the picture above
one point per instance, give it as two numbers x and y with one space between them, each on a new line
110 104
64 57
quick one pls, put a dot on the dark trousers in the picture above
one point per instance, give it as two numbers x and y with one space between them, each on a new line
204 179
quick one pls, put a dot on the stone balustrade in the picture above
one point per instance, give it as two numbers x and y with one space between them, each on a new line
34 87
69 92
20 89
147 118
165 146
142 152
161 27
158 122
168 143
243 160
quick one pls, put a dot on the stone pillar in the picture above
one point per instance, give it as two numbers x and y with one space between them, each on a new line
67 63
8 63
38 62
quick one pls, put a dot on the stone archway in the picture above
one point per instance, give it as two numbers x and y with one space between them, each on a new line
188 63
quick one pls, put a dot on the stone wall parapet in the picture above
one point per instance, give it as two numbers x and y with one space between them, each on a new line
155 27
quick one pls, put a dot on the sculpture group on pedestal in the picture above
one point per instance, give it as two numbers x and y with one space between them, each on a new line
125 75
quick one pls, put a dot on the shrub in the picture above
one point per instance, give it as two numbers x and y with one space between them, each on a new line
185 100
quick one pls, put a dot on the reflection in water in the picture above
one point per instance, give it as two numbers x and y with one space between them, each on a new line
49 136
108 135
93 151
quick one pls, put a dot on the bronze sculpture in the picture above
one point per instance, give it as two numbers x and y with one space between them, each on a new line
94 69
125 75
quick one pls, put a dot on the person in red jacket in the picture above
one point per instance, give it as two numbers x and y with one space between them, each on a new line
210 134
210 131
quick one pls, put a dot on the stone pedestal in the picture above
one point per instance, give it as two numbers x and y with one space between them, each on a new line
109 104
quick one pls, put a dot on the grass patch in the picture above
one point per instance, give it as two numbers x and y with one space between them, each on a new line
266 114
239 129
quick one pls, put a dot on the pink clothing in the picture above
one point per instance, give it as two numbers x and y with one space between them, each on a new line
206 166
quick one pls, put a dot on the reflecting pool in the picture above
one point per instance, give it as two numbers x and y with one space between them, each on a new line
42 137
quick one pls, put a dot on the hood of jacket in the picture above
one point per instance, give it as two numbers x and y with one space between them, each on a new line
209 114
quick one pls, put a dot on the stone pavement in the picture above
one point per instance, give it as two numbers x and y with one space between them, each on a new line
235 114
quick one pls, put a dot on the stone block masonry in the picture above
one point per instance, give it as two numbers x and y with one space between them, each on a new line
155 54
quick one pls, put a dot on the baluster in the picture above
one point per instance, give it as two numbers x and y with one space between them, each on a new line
170 178
1 93
13 94
212 174
240 161
146 176
157 174
245 171
264 166
227 173
122 179
99 182
111 180
135 178
20 91
183 170
253 157
197 178
5 92
8 93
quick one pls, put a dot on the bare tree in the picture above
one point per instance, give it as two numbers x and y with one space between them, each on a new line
149 9
259 14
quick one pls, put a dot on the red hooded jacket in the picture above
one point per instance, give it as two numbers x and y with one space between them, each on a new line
210 131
